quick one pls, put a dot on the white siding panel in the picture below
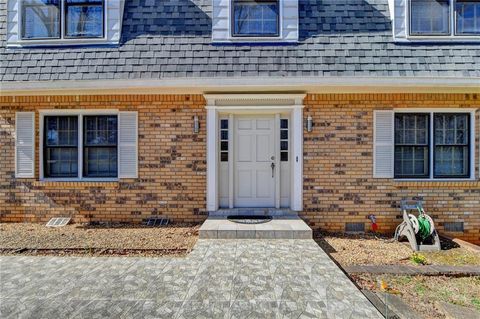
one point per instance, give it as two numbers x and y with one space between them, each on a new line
128 145
400 27
25 145
383 152
13 20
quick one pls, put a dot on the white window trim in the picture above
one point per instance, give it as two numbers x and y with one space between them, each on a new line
62 40
473 146
80 114
453 28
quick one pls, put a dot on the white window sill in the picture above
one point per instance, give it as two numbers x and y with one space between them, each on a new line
444 39
60 42
270 40
80 180
433 180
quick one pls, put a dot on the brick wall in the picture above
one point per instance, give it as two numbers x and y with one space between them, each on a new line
338 166
171 164
338 183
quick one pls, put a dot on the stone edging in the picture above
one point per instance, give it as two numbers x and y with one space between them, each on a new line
428 270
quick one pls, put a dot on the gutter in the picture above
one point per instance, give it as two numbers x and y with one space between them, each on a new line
246 85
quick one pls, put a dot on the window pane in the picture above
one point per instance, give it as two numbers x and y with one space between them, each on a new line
100 130
284 123
255 18
224 156
224 135
284 134
61 162
411 129
40 19
100 162
61 131
451 145
284 156
411 161
430 17
224 124
84 18
224 146
468 17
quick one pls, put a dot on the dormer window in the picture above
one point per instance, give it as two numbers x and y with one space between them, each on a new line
255 18
446 18
255 21
33 23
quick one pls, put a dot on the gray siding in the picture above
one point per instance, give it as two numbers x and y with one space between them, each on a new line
173 39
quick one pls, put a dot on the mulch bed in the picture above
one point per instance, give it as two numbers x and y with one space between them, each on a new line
97 240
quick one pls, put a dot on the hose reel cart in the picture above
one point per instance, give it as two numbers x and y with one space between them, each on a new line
419 230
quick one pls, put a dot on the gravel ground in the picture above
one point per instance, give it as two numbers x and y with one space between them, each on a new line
372 249
423 293
363 249
175 239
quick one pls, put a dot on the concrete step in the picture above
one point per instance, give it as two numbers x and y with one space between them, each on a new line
290 227
254 211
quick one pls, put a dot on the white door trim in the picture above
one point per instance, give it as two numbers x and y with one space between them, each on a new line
233 104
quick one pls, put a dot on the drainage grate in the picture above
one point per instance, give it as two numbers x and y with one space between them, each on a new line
58 222
453 226
355 227
156 221
249 219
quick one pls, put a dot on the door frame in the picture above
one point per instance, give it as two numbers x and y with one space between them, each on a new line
229 105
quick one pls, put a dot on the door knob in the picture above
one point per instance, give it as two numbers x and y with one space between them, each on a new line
273 169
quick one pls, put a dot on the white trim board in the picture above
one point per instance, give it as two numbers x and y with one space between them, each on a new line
295 110
246 84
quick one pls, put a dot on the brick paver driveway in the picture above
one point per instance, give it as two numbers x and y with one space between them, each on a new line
219 279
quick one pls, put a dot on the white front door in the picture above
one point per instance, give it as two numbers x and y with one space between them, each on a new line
254 154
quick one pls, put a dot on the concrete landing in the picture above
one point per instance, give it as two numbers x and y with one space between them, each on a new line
291 227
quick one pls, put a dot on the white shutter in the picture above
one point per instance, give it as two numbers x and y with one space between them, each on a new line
128 145
383 144
25 145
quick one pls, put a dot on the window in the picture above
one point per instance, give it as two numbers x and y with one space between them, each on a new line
224 140
411 145
284 140
84 18
430 17
97 137
452 149
255 18
42 19
467 17
435 17
434 145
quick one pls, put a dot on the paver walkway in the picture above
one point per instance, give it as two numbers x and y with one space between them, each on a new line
219 279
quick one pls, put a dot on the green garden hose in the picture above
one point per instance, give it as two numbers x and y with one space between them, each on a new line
423 226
